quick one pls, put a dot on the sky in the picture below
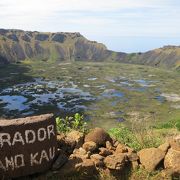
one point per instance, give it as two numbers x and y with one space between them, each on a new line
122 25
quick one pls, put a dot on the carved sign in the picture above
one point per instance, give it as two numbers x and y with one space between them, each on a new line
27 145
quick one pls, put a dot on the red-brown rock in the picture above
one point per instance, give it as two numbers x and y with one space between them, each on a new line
99 136
90 146
115 161
150 158
172 161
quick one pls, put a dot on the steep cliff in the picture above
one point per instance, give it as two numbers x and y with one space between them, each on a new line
18 45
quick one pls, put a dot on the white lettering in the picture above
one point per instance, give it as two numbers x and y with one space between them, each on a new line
52 153
5 137
43 156
29 133
9 163
18 138
19 161
33 159
50 130
42 132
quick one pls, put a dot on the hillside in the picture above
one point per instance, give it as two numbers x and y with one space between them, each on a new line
167 57
18 45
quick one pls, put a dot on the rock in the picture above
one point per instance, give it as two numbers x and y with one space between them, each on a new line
132 156
172 161
134 165
76 136
60 140
175 143
71 167
164 147
99 136
27 145
90 146
87 166
60 161
130 150
115 161
109 145
80 153
105 151
121 148
150 158
98 160
116 143
67 145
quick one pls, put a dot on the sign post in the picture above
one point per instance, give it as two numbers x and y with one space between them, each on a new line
27 145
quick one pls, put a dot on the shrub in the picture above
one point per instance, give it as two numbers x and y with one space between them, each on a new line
68 123
136 140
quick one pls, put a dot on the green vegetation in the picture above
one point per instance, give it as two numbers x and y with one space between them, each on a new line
68 123
145 137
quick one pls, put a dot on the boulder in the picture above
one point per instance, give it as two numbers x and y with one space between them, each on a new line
98 160
132 156
99 136
77 137
71 167
121 148
80 153
150 158
175 143
105 151
115 161
90 146
109 145
87 166
164 147
172 161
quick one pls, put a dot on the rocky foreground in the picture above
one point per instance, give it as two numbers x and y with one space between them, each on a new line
98 155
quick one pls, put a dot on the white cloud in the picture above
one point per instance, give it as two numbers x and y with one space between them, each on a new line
157 18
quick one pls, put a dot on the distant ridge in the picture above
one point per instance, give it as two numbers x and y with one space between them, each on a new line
18 45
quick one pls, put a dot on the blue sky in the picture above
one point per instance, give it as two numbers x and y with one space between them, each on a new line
123 25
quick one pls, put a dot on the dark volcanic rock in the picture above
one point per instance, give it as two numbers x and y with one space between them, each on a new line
41 37
59 38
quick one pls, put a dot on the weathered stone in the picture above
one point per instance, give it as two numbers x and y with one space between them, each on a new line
175 143
150 158
98 160
27 145
105 151
134 165
87 166
80 153
172 161
71 167
115 161
116 143
109 145
61 140
77 137
98 135
90 146
132 156
121 148
60 161
164 147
